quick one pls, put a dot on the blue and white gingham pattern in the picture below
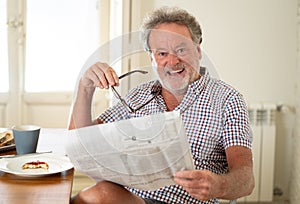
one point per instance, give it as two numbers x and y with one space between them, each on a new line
215 117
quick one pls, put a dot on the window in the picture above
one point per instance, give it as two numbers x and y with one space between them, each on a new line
3 48
116 29
60 37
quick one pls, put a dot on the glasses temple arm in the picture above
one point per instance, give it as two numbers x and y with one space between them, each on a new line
122 100
133 71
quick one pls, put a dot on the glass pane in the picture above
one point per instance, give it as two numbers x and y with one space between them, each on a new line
61 35
3 48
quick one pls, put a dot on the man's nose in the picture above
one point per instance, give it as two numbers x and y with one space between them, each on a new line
172 59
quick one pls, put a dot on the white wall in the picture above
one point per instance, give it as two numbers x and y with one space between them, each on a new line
295 183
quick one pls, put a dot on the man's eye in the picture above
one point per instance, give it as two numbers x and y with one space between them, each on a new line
162 54
180 51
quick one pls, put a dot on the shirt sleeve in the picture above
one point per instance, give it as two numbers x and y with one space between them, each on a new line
237 131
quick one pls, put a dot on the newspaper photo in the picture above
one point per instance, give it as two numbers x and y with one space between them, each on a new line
142 153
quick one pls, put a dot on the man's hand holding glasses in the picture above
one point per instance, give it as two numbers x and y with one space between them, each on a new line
103 76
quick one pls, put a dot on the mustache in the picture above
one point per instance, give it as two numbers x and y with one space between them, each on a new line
177 66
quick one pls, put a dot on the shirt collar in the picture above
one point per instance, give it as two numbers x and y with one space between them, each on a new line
197 86
194 90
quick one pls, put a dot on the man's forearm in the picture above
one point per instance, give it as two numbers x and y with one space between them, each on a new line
238 183
81 110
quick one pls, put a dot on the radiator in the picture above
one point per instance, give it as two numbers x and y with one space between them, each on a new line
262 120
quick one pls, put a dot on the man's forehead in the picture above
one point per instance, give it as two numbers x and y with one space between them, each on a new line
158 36
180 33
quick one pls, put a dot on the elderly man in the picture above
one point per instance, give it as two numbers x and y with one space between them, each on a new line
214 114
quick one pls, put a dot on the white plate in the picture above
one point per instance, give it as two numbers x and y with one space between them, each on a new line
56 164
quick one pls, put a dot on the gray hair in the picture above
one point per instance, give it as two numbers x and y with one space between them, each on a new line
170 15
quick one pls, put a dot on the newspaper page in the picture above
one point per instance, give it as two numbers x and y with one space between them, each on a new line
142 153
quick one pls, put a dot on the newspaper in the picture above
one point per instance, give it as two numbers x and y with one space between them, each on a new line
142 153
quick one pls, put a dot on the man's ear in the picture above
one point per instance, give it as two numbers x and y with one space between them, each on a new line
199 52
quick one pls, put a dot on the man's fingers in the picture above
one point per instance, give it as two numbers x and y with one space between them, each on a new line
111 77
191 174
105 74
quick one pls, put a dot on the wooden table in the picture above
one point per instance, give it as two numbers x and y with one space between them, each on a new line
55 188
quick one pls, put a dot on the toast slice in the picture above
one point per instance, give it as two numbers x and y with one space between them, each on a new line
36 165
6 138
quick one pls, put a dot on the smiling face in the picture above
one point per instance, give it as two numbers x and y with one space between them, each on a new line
175 57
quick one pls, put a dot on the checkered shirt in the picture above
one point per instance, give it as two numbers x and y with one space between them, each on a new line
215 117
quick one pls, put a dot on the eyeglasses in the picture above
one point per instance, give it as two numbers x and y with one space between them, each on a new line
123 102
182 50
161 54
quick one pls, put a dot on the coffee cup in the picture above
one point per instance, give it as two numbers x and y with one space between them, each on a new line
26 138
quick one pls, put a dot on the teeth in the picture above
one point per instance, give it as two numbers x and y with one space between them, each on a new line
178 68
176 71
